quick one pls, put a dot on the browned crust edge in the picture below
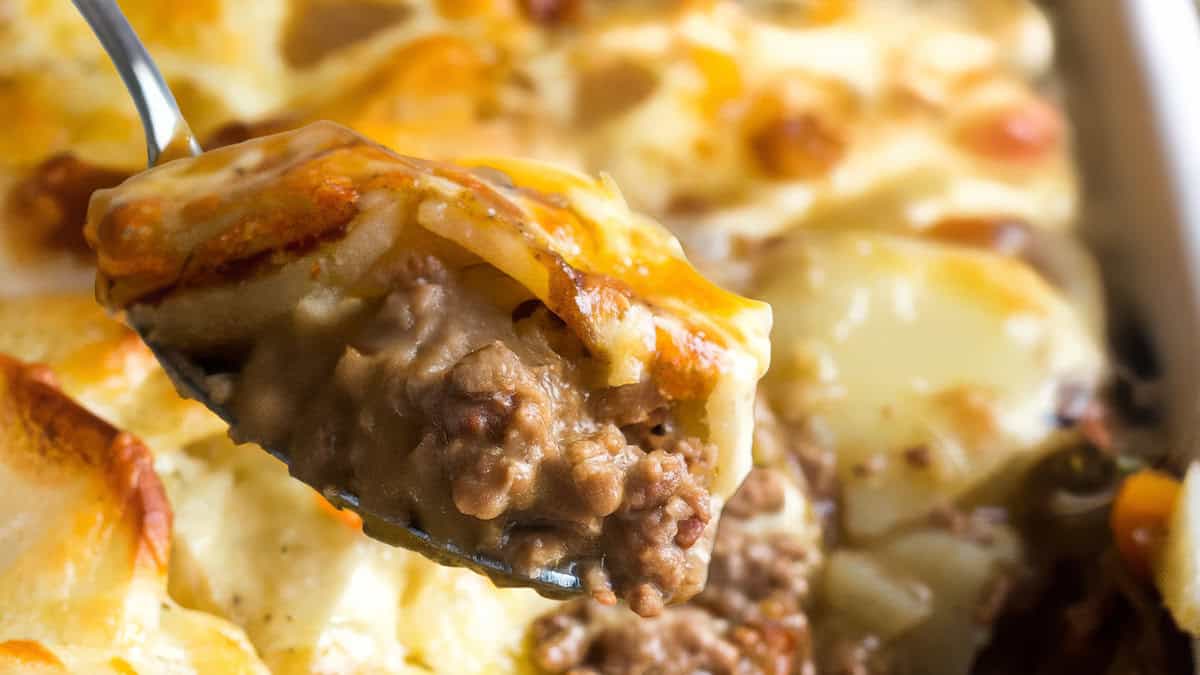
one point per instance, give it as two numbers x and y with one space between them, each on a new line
48 435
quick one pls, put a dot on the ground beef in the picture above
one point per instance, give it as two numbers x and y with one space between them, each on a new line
477 425
809 463
749 619
51 201
977 525
51 205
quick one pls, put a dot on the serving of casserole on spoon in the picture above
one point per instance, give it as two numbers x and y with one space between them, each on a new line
493 362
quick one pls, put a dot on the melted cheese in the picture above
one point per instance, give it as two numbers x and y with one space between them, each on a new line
890 82
645 92
85 547
59 76
104 365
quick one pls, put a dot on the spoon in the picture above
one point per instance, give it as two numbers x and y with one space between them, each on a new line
169 137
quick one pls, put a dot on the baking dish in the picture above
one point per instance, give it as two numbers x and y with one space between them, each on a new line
1132 94
1092 48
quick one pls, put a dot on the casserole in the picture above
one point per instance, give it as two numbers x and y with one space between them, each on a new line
258 567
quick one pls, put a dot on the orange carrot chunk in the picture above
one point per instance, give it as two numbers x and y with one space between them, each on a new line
348 518
1140 514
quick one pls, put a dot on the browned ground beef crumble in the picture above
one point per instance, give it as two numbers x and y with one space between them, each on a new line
480 427
51 201
749 619
811 465
51 205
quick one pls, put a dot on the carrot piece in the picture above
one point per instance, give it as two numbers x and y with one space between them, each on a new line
1023 132
348 518
1140 515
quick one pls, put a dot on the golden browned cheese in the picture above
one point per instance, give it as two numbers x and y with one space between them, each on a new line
87 545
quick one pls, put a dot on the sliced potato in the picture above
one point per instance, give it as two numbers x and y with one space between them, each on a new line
931 369
316 595
963 576
1178 570
86 545
104 365
869 595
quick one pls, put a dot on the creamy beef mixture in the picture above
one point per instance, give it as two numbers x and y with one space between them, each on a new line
750 618
481 426
1072 604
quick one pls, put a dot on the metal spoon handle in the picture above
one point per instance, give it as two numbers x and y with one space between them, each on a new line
167 133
